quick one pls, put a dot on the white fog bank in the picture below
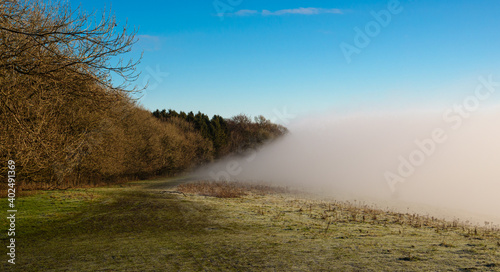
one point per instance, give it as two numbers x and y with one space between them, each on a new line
448 160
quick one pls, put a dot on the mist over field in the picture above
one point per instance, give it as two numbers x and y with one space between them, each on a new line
445 163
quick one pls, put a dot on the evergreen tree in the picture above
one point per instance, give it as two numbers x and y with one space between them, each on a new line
190 117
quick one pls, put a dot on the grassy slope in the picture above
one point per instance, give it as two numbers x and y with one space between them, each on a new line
140 227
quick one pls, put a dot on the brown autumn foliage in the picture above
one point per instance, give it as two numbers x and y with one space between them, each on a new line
246 134
62 120
228 136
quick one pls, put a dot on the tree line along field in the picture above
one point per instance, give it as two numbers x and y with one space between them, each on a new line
65 123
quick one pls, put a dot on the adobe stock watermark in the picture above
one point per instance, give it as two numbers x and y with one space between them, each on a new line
11 211
155 76
233 167
363 37
426 147
282 116
223 7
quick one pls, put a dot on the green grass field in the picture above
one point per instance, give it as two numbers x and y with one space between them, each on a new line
144 226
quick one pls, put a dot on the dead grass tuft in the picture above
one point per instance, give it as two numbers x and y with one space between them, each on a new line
225 189
211 188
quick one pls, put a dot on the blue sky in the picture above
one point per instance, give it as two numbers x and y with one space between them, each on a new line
259 57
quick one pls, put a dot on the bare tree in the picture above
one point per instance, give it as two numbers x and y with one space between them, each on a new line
39 39
55 81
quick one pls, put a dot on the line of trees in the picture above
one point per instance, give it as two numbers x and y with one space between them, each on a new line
227 136
65 123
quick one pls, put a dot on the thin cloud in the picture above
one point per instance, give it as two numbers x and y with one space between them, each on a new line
300 11
245 12
149 42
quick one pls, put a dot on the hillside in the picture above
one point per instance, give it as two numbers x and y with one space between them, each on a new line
151 226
